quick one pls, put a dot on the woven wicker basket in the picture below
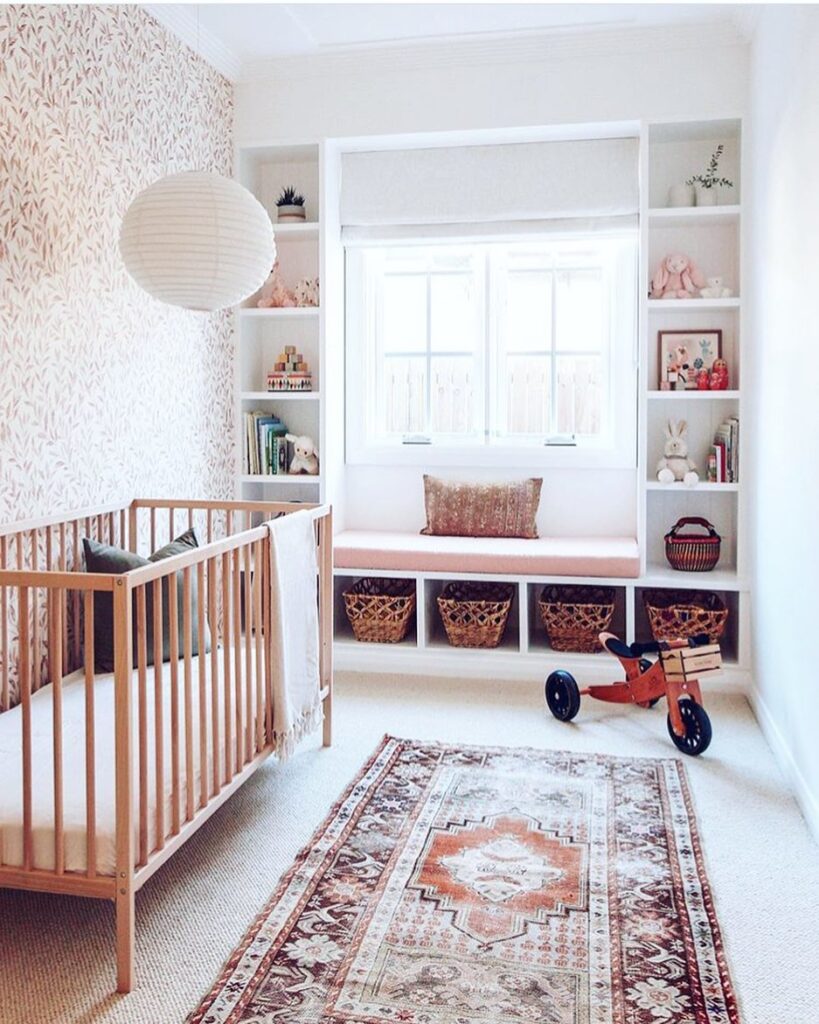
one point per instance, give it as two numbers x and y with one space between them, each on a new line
380 610
680 614
475 614
688 552
573 616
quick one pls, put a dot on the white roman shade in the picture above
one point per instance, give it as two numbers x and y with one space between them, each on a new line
197 240
467 189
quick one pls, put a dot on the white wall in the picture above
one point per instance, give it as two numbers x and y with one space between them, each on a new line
476 85
782 374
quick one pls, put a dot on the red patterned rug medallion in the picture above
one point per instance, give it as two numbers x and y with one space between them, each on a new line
453 885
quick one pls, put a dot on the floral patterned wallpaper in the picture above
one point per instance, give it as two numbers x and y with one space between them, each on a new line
105 394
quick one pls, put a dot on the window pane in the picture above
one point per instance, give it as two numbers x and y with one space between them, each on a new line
528 324
454 325
580 395
405 313
527 388
452 395
402 395
580 310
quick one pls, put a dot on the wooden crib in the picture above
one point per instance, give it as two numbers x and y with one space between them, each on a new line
186 733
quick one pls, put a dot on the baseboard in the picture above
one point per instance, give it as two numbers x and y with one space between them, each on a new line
466 664
807 800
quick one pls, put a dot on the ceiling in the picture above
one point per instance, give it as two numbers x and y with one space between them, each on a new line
233 36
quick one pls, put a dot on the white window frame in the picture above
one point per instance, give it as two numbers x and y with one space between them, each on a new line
618 450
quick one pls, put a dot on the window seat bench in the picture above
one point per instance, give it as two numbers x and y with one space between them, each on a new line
610 557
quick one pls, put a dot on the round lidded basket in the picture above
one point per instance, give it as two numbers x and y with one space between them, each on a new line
680 614
380 610
574 616
475 614
687 552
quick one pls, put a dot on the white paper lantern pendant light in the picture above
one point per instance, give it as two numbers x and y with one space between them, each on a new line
197 240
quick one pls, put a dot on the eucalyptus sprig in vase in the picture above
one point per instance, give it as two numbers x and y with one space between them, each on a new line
708 184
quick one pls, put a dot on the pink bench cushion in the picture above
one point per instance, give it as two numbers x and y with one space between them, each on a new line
546 556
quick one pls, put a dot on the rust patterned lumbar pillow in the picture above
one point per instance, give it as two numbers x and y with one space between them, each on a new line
457 509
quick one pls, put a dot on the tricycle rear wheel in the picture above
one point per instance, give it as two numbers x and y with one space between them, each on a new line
562 695
697 725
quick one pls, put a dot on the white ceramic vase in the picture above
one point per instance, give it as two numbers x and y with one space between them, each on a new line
707 196
681 195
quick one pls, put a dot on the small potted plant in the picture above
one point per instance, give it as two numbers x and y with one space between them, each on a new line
290 205
707 185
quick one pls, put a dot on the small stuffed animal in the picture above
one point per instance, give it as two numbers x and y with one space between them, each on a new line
676 278
716 289
305 456
676 465
274 294
307 292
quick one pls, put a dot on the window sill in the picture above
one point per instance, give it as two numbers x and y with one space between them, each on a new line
535 457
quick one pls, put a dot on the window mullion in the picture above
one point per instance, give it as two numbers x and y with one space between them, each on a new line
552 355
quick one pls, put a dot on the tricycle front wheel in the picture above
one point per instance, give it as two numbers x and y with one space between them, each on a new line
697 725
562 695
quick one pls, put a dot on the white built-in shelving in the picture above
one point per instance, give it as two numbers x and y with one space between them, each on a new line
670 152
264 332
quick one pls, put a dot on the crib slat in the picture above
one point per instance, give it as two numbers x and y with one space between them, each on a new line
75 596
90 737
173 631
35 617
63 564
187 649
226 683
153 529
203 662
55 647
268 632
210 526
237 657
25 700
248 655
141 640
159 719
214 670
258 556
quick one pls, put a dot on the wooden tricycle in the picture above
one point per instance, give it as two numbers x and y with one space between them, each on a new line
675 675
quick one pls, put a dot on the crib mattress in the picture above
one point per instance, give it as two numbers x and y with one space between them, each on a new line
74 793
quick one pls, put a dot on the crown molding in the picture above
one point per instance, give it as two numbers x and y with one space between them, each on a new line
494 49
181 21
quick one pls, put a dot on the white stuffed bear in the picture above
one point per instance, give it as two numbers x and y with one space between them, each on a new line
307 292
716 289
305 456
676 465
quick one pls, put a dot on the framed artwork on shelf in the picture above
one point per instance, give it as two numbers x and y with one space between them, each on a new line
685 355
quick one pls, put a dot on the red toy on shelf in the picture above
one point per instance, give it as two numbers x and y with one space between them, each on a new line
675 675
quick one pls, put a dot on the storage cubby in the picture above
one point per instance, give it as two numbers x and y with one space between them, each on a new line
266 170
538 639
679 150
671 503
702 419
688 318
343 630
730 640
436 634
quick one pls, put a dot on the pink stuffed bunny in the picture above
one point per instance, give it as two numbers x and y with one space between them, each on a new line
676 278
274 294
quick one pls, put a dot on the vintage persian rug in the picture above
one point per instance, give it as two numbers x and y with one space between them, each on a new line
453 885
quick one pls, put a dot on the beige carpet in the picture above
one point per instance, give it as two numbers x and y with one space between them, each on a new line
56 954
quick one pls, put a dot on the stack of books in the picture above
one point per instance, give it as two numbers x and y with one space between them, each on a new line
265 444
723 462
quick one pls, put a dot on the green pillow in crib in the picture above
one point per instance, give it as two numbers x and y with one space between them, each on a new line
106 558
